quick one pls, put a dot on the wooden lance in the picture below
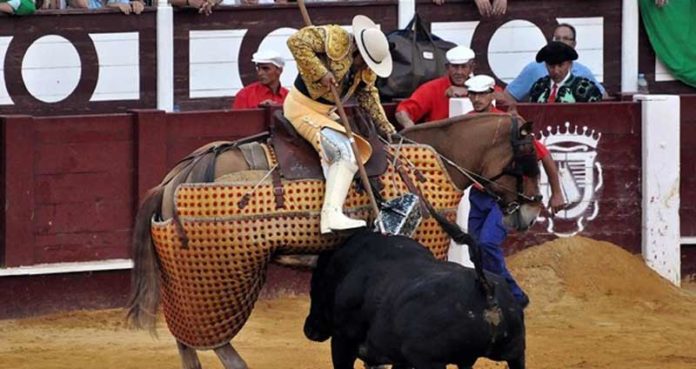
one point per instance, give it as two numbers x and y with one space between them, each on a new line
346 125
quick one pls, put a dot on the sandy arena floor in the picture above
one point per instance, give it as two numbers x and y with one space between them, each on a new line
593 306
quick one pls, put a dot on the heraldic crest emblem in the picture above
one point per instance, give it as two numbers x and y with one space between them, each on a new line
575 153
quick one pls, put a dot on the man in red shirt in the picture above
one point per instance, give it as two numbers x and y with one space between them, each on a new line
430 101
267 90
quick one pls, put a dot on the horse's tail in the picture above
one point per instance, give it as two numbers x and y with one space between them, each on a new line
144 298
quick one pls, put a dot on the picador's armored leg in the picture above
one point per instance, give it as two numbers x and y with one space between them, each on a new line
340 166
230 358
189 357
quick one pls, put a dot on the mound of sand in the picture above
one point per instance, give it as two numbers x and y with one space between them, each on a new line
581 270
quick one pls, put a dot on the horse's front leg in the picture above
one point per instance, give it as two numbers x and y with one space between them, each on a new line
189 357
230 358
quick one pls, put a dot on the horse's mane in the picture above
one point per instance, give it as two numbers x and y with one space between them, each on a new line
443 123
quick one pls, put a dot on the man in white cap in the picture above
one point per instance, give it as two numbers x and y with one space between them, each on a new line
430 101
481 90
327 55
485 218
267 90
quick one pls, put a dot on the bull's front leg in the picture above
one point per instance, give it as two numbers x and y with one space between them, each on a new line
517 363
344 352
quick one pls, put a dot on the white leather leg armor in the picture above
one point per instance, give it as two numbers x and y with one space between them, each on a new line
339 165
335 146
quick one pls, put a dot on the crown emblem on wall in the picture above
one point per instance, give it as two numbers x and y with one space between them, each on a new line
585 136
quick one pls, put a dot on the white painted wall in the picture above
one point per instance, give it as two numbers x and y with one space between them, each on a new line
660 184
661 72
214 65
460 253
51 68
119 66
214 68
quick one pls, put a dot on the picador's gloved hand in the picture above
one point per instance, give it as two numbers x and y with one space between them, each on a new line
394 138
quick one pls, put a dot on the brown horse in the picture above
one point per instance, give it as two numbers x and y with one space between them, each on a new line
201 280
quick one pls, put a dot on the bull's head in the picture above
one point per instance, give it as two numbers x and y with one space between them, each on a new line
319 323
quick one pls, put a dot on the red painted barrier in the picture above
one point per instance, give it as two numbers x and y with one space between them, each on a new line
71 184
614 192
75 181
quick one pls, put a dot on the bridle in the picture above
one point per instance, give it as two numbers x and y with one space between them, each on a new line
523 163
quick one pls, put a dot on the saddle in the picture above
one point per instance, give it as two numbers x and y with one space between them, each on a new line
297 159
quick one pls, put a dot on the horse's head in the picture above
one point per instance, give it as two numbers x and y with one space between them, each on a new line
495 151
511 175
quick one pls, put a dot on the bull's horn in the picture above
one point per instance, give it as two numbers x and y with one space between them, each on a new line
297 261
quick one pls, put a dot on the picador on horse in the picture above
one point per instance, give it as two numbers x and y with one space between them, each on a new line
203 238
330 55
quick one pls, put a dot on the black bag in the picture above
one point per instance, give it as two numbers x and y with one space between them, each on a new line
418 57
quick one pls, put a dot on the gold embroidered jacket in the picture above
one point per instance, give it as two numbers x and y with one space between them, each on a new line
319 49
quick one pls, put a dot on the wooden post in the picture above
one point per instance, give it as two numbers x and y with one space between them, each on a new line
150 148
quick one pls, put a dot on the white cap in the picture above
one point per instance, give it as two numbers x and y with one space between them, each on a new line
480 83
268 56
459 55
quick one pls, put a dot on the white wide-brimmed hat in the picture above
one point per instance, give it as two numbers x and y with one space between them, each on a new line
480 83
268 56
373 45
459 55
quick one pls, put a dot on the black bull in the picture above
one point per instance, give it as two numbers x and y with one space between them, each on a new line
387 300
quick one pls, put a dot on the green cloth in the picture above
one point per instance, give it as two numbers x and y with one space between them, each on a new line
26 7
672 33
23 7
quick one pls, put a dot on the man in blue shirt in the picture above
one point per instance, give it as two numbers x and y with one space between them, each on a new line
518 89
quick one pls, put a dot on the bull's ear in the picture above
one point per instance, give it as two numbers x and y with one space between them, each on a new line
526 129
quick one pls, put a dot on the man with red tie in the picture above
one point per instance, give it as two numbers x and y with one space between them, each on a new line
561 86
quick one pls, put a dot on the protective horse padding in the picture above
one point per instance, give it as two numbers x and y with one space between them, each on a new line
209 288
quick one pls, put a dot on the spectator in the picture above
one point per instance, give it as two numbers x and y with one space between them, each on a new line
253 2
267 90
561 86
488 8
204 6
518 89
481 91
17 7
430 101
125 6
485 216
